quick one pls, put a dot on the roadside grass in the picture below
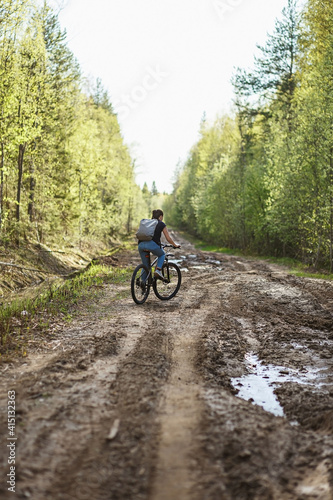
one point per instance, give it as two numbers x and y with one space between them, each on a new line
294 266
22 318
298 268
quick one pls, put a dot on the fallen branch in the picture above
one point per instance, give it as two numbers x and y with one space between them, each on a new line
25 268
66 276
51 251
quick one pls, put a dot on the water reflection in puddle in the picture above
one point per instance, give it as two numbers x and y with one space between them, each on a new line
176 261
213 261
258 384
184 260
192 259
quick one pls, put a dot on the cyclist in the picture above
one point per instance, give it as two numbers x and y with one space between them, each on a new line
154 245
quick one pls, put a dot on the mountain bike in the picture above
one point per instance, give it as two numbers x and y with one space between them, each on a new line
143 279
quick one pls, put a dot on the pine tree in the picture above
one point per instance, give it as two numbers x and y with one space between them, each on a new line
154 191
274 72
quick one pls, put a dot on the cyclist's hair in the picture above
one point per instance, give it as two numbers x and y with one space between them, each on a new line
157 213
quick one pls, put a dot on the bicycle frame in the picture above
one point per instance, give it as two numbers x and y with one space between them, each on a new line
143 279
152 264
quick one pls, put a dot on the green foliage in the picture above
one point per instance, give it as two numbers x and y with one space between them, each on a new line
263 180
274 73
152 199
20 318
65 171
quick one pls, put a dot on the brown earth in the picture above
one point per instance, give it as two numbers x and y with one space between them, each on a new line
143 402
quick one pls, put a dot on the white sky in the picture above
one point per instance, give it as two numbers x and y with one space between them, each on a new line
165 63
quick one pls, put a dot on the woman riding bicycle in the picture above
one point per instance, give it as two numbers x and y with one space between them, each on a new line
154 245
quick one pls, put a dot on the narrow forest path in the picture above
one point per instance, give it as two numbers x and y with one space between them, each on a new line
143 402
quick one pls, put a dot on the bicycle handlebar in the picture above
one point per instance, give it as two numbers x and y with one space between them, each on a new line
168 246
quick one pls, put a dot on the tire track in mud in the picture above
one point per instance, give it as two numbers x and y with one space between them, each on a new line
66 405
181 405
122 467
249 453
159 376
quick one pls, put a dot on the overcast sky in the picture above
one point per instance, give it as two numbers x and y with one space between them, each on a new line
165 63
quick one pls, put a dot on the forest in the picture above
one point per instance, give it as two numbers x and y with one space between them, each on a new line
226 390
66 174
261 178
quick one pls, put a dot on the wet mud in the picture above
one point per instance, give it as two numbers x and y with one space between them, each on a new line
223 392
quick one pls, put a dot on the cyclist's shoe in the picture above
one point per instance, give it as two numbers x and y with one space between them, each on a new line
158 274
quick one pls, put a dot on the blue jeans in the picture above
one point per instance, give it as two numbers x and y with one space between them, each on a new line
154 248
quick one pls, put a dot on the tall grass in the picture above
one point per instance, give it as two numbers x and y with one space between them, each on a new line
18 316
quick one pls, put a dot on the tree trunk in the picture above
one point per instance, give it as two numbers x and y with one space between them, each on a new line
31 205
243 169
80 219
129 218
19 180
318 253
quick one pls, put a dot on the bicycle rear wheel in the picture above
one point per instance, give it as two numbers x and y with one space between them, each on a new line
167 288
140 289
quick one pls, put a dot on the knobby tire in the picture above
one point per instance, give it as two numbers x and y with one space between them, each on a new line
139 290
166 291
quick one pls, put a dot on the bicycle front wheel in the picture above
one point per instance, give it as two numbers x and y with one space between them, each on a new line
139 288
167 288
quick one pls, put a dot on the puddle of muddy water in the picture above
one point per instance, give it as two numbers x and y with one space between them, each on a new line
176 261
193 258
180 263
212 261
258 385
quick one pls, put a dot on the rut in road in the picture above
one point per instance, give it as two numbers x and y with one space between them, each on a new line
66 402
139 402
181 405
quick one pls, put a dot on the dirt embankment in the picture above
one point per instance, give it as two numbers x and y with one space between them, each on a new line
224 392
31 264
28 265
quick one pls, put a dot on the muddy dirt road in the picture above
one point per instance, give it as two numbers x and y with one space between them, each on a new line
224 392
